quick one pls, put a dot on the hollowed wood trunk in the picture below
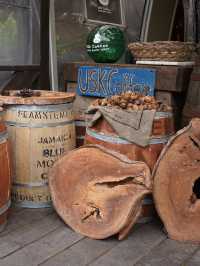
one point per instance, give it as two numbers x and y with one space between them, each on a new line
177 184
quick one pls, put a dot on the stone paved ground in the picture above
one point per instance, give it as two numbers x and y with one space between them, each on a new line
39 237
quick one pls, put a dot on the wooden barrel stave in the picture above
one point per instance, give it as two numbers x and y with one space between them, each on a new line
5 175
103 134
148 210
40 134
80 132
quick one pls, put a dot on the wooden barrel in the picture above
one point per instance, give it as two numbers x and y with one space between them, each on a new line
5 174
148 210
80 131
163 127
41 129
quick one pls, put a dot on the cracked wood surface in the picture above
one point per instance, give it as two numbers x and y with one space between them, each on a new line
102 194
40 238
176 184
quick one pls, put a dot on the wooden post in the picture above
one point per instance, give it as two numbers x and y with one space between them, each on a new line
197 7
190 14
52 48
44 45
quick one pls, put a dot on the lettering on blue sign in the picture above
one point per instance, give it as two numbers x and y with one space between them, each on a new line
107 81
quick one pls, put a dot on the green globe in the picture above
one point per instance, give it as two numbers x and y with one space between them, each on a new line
106 44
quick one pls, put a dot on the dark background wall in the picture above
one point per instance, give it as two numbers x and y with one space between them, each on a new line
72 30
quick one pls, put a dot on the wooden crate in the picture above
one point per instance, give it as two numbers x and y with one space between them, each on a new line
169 78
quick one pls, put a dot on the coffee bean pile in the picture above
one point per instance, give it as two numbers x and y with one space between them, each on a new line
132 101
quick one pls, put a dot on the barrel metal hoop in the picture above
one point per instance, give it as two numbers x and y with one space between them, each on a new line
145 220
3 137
159 115
31 184
31 125
80 137
37 108
106 138
5 207
33 205
162 140
118 140
147 201
80 123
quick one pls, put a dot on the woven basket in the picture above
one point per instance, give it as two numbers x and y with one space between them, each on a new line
162 51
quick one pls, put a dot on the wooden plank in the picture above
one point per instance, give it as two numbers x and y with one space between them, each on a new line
43 249
194 260
28 233
20 80
138 244
169 78
24 217
20 68
48 242
169 252
174 79
7 246
83 253
70 70
31 215
14 209
165 63
24 235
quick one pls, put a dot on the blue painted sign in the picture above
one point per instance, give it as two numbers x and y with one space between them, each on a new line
105 81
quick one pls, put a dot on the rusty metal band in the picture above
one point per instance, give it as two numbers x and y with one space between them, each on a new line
3 137
42 108
159 115
33 205
147 201
144 220
32 125
118 140
80 123
5 207
80 137
31 184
